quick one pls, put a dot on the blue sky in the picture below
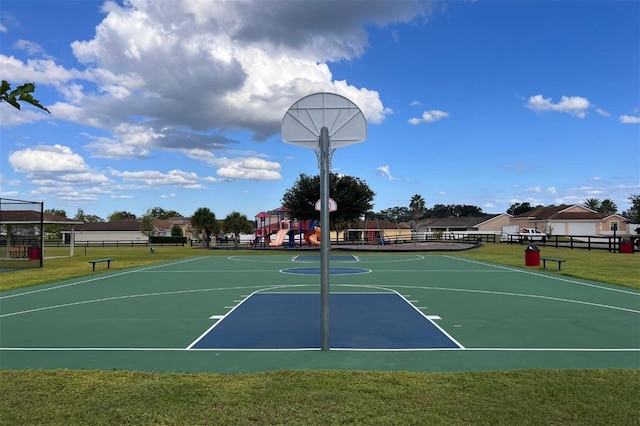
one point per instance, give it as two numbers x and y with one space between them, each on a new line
178 103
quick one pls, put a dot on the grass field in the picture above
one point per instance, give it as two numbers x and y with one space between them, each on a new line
322 397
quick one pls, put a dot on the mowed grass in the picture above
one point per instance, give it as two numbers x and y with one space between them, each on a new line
567 397
322 397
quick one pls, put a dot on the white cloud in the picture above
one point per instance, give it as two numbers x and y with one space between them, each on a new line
429 117
573 105
10 116
188 180
629 119
47 158
384 172
249 168
30 47
245 69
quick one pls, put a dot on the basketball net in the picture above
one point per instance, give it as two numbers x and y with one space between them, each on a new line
318 152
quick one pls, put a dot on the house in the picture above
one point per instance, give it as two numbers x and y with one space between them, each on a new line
573 220
490 223
185 224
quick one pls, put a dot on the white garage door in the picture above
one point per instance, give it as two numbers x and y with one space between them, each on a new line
582 229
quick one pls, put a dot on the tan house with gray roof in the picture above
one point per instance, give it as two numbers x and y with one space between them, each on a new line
572 220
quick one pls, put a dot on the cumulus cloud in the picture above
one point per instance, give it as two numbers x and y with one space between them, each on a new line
218 67
56 158
188 180
429 117
183 75
57 170
573 105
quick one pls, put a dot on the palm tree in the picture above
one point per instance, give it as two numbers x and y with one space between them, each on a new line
592 203
237 223
205 223
608 207
417 205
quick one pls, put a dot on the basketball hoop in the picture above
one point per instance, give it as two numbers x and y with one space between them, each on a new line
324 122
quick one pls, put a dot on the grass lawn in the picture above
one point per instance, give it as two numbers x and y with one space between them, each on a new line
322 397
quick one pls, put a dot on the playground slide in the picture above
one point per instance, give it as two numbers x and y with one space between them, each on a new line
313 238
279 238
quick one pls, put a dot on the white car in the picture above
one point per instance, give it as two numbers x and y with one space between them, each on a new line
531 234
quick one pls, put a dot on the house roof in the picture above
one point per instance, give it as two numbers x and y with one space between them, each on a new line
127 225
120 225
463 221
560 213
32 217
578 216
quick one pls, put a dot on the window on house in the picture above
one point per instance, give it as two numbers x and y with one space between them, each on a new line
613 226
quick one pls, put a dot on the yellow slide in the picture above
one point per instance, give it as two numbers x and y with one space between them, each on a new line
314 238
279 238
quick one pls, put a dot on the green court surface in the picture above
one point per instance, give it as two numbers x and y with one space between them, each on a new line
146 318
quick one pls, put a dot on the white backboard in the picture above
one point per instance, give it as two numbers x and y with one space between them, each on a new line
333 206
303 120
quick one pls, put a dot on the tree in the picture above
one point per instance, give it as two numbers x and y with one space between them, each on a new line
591 203
633 213
440 210
176 231
237 223
417 206
466 210
54 231
519 208
608 207
205 224
87 218
160 213
147 227
121 215
352 195
19 94
398 214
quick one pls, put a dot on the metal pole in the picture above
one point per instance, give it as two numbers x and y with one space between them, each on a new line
325 240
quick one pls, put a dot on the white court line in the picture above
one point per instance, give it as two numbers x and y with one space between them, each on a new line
552 277
464 349
232 308
534 296
130 296
102 277
500 293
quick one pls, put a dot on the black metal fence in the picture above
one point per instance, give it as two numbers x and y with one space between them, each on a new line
585 242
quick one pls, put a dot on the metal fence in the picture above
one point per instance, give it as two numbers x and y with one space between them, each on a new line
585 242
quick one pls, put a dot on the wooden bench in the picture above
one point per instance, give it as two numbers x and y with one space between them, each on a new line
552 259
108 260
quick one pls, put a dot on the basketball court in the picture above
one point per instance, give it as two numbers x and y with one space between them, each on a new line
389 311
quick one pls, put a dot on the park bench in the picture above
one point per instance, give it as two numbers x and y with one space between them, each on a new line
19 252
551 259
108 260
